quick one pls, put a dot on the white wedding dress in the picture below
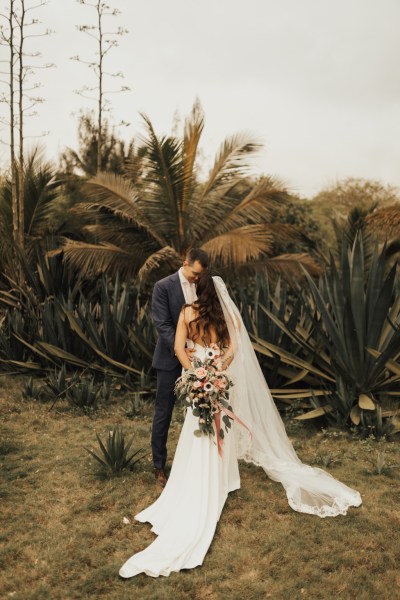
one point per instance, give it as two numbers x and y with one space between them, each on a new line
186 514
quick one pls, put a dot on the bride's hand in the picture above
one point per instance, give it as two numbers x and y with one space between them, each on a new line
189 352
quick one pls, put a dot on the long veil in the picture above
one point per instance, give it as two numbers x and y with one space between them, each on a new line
309 489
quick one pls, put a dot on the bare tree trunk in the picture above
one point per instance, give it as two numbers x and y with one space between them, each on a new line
100 100
21 216
14 194
105 42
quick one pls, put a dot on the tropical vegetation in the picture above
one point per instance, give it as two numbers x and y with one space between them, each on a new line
346 332
75 298
150 216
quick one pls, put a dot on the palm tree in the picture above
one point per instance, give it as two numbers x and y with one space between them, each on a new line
46 212
114 152
134 226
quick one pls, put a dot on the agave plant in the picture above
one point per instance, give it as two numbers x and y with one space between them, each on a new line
255 306
115 453
360 221
111 333
30 390
355 341
136 226
117 328
57 383
87 394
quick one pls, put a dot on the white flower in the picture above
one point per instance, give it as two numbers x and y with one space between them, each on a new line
210 353
208 387
126 521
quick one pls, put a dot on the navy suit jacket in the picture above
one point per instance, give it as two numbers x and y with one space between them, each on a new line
166 305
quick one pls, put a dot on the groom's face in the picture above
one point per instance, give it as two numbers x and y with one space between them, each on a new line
192 270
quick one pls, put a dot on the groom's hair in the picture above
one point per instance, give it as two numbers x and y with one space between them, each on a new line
197 254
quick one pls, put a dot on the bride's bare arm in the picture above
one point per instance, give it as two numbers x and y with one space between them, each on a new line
180 342
228 353
227 356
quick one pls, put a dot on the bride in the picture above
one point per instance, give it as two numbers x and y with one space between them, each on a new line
185 516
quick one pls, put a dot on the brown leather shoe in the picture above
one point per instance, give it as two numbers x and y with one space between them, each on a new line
161 476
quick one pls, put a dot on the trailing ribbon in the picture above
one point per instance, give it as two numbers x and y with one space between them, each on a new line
217 419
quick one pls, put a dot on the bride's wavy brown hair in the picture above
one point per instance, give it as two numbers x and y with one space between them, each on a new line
210 311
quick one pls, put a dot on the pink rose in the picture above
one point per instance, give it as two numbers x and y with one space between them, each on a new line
196 384
200 373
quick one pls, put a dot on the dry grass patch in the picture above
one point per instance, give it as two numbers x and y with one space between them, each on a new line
63 536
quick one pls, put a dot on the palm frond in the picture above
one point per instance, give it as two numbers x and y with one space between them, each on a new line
291 265
283 233
134 164
256 207
231 161
385 221
165 255
239 245
194 126
44 208
93 259
165 172
121 235
116 194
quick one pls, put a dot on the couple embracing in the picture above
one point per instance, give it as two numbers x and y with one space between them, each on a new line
192 310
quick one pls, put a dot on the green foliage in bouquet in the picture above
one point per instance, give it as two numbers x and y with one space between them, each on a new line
205 390
115 455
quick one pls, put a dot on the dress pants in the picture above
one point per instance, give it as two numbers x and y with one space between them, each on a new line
165 400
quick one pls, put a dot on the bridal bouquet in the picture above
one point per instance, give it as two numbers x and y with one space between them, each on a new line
205 389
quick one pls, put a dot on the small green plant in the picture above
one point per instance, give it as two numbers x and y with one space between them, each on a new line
86 394
140 397
57 384
328 459
30 391
138 404
115 451
105 391
380 464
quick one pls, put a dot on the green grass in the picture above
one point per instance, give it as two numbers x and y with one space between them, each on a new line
62 533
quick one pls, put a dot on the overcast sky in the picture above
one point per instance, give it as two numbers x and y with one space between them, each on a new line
317 81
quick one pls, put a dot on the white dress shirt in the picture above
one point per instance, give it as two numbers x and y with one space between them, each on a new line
188 289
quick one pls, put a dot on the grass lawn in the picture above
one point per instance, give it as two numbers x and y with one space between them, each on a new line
62 533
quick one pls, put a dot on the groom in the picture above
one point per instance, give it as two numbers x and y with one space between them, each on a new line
169 295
